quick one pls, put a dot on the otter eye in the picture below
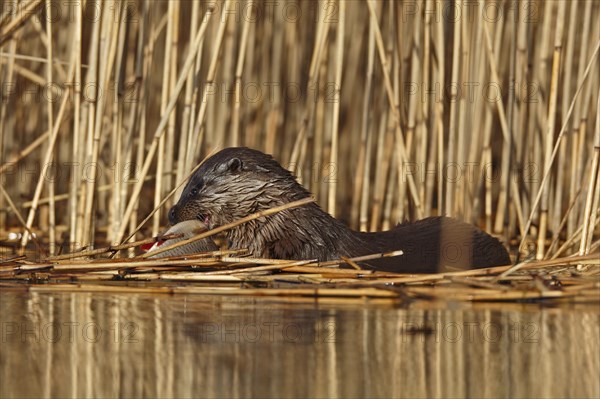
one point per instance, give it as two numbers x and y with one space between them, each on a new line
195 190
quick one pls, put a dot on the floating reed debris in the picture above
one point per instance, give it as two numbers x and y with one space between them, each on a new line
218 273
386 111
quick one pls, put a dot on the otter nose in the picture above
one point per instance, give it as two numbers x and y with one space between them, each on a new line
173 215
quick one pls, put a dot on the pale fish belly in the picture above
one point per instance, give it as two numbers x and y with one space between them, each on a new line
188 228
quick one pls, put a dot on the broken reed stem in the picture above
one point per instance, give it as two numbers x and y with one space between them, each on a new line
112 248
592 190
113 265
469 285
572 239
577 123
490 271
339 59
401 148
27 11
312 82
210 76
50 119
361 181
45 166
107 53
14 208
282 266
451 156
78 135
235 120
160 161
188 104
551 262
559 229
12 162
364 258
311 266
549 137
163 122
547 169
161 203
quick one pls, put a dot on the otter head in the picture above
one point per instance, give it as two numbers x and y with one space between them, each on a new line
232 184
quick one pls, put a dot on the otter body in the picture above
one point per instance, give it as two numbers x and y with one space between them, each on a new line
237 182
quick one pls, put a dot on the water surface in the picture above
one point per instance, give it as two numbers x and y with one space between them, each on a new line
139 345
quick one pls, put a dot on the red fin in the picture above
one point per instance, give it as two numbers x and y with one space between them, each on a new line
148 247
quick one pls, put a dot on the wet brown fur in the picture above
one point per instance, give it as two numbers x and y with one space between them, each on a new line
237 182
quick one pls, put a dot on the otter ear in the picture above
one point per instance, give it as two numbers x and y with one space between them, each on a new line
233 165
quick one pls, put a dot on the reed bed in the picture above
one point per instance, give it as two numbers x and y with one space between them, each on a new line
385 110
220 273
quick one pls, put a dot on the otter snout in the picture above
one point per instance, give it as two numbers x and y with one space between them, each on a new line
185 210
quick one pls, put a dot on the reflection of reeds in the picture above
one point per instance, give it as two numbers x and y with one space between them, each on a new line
148 88
365 348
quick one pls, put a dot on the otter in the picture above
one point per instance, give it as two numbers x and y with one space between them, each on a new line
240 181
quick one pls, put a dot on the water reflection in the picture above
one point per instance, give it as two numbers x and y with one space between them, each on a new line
81 345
